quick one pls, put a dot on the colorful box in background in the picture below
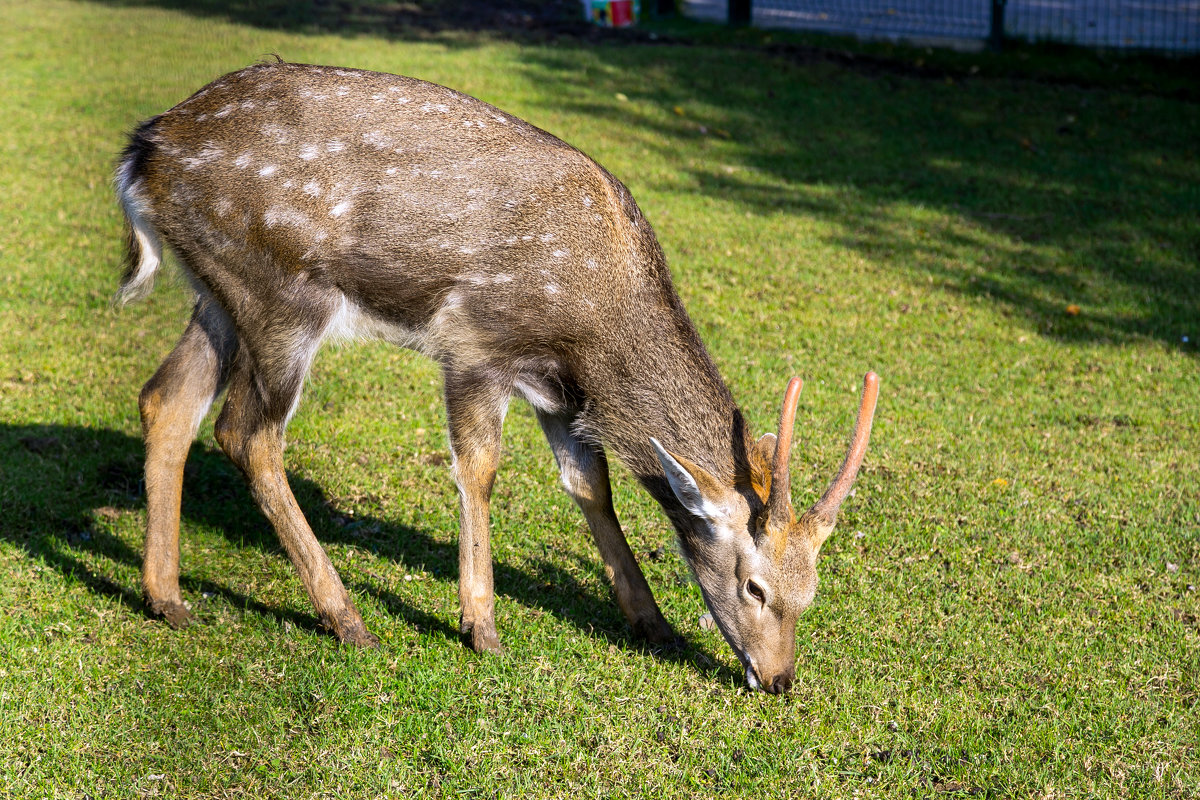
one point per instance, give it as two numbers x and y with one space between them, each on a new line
611 13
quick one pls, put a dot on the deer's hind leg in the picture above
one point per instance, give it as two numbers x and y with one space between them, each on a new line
172 404
584 472
263 392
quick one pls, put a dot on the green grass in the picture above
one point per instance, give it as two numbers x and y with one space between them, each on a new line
1009 605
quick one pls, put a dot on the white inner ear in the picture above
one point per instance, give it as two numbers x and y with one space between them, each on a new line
685 487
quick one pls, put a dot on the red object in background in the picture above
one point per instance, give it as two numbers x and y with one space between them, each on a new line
621 12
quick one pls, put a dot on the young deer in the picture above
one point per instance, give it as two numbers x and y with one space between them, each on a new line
308 203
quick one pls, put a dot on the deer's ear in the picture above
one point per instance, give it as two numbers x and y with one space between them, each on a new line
696 490
819 527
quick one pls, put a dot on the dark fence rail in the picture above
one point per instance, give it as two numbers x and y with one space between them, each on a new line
1171 26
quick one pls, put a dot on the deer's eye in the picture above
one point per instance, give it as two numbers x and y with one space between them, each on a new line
756 591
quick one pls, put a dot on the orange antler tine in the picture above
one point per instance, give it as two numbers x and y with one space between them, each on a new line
779 500
827 507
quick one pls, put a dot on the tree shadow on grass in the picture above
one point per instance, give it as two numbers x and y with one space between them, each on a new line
1043 197
61 482
414 19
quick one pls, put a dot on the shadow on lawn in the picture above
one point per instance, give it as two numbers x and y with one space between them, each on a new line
80 475
1072 197
1056 196
414 19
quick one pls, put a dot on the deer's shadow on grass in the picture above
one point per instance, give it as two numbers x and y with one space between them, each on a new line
58 483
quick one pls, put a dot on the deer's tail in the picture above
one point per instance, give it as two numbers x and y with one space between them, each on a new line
143 247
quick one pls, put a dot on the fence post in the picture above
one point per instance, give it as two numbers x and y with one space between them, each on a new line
739 12
996 35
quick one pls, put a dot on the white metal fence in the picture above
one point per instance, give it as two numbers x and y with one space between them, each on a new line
1162 25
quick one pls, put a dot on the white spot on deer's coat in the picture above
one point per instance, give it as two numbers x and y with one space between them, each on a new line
279 133
340 208
377 139
288 184
587 200
223 207
466 251
392 170
590 263
309 151
547 237
268 170
335 146
206 155
561 253
428 107
312 189
342 91
225 111
243 161
551 289
276 216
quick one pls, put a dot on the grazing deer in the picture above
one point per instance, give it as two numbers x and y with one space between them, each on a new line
308 203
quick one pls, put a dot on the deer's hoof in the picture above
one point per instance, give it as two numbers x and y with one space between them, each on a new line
349 629
655 631
360 638
175 614
485 640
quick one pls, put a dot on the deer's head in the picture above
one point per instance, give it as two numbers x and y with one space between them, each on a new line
755 560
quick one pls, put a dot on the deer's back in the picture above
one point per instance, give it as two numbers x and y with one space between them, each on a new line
414 201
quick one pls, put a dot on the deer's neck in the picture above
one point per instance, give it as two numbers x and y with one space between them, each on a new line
664 385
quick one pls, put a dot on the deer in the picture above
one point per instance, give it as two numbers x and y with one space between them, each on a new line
307 204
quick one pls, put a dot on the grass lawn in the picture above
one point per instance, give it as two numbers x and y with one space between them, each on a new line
1009 606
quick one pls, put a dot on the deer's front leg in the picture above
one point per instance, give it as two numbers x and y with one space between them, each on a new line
475 415
584 471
